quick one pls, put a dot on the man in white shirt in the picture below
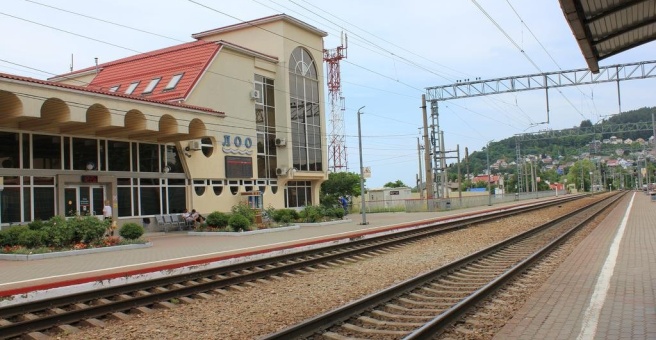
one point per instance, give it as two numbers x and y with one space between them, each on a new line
107 211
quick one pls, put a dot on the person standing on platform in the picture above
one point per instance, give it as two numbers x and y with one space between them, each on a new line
344 204
107 211
107 214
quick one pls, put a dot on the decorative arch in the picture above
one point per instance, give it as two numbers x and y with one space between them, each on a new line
168 125
305 112
55 110
197 129
98 116
135 120
302 63
10 104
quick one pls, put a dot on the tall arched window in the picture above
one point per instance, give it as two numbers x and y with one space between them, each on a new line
305 111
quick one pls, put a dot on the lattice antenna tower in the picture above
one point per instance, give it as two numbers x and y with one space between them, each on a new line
337 148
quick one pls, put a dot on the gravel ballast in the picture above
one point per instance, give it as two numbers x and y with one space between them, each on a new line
252 311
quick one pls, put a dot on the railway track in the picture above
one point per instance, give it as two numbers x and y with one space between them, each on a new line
38 318
422 307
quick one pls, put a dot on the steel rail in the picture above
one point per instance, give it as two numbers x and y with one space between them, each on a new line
6 312
201 284
326 320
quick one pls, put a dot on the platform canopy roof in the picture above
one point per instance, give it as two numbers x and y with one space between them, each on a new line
604 28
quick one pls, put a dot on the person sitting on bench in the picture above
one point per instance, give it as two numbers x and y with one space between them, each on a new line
196 216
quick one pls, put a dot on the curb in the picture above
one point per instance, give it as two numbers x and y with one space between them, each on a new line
320 224
30 257
243 233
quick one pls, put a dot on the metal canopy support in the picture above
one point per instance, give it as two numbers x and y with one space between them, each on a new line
640 70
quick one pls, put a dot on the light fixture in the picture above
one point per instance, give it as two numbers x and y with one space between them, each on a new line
166 169
91 165
186 153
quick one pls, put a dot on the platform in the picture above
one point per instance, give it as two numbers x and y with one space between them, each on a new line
605 289
177 249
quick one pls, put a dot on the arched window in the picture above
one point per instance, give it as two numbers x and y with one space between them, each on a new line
305 111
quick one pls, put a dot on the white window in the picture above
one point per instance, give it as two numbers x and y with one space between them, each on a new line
151 85
173 82
131 88
114 88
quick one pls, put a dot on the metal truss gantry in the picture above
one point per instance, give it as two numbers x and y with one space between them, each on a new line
614 73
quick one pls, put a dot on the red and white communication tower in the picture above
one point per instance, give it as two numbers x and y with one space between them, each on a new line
337 148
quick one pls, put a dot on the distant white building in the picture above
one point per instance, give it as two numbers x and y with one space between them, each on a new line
388 198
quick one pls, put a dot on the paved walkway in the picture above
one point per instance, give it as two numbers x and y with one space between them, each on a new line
605 289
178 249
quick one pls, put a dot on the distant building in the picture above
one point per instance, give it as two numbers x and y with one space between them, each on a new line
494 179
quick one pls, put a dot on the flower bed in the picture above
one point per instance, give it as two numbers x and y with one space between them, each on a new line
62 235
20 256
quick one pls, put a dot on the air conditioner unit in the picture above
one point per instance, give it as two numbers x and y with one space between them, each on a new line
281 142
194 145
255 94
281 171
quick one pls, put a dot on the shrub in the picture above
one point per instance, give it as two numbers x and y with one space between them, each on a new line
36 225
311 214
131 231
217 219
284 215
60 232
239 222
335 212
33 238
245 210
11 236
88 229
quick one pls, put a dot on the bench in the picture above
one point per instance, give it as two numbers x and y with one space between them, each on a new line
186 224
161 222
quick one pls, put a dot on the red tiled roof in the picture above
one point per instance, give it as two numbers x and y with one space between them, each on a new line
190 59
90 90
484 178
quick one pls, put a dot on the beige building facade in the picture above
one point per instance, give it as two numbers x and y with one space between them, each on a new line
235 115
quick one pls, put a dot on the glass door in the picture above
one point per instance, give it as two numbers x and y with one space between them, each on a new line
97 200
84 200
70 195
84 193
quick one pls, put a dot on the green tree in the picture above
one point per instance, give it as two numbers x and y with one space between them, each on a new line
580 173
339 184
586 123
397 184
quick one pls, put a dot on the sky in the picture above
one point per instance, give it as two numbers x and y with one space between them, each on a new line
396 49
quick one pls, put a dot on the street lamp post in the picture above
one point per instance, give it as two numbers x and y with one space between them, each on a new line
364 214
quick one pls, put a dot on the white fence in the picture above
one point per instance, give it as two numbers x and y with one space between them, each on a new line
441 204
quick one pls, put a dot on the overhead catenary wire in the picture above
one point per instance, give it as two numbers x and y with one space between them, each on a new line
216 130
230 117
522 51
132 50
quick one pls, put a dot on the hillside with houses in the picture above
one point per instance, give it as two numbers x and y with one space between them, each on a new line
614 153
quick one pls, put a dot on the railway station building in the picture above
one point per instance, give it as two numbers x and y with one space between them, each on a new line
235 115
